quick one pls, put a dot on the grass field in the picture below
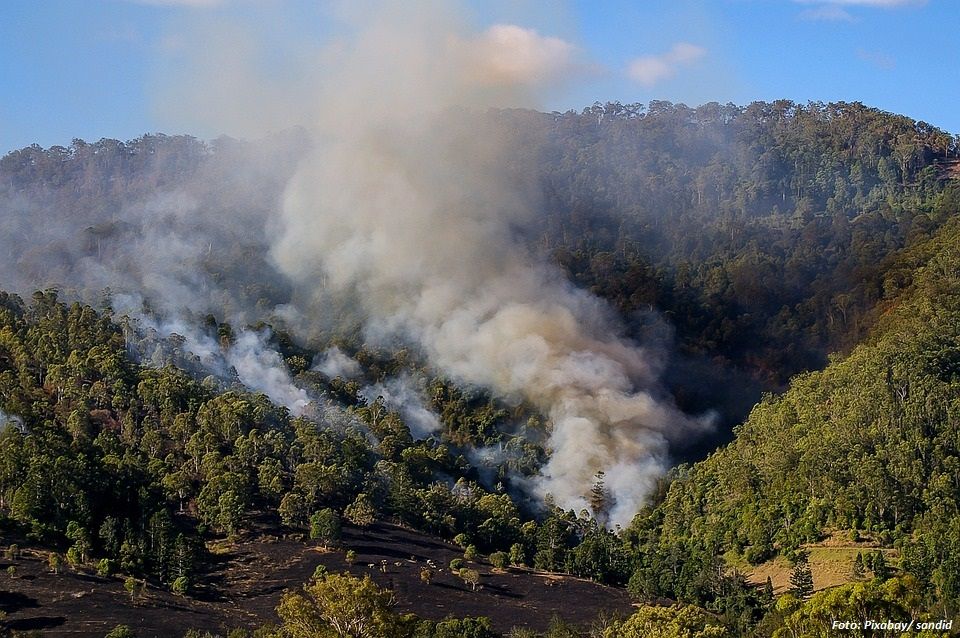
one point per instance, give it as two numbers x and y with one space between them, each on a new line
831 562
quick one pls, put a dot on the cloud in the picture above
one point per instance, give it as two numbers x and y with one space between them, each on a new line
827 13
648 70
882 61
512 55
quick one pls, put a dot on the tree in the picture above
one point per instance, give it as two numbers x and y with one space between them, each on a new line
896 599
130 584
470 577
500 560
106 567
517 555
599 498
230 508
426 575
679 621
857 572
464 628
801 579
878 565
293 510
338 605
55 562
361 512
325 527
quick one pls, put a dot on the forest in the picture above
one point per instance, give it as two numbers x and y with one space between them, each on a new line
795 265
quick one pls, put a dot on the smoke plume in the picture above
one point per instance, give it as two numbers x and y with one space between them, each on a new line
407 203
400 196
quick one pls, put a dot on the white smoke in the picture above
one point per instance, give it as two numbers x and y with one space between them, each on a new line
333 362
262 369
249 356
410 207
12 420
400 394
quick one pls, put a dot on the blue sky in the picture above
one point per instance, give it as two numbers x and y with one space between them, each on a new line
97 68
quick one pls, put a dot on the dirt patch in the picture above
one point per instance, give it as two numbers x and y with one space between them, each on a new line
245 580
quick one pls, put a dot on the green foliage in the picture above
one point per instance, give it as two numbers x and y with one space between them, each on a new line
871 442
801 578
793 229
106 567
857 571
679 621
121 631
517 555
180 586
895 600
361 512
325 527
500 560
338 605
131 585
470 577
464 628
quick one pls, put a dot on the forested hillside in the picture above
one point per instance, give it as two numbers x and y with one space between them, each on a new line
760 234
170 390
868 446
759 231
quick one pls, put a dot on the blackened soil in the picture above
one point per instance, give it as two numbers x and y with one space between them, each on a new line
246 578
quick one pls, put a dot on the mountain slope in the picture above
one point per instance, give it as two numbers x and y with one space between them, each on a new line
870 443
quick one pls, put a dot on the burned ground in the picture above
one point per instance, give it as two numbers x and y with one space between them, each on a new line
245 580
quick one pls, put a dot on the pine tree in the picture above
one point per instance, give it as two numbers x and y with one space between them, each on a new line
801 580
599 498
879 566
858 569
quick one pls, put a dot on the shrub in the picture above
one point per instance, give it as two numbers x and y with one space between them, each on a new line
106 567
500 560
180 586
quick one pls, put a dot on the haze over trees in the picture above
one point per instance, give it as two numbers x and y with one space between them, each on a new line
749 243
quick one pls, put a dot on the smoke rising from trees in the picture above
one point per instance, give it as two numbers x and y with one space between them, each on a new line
406 204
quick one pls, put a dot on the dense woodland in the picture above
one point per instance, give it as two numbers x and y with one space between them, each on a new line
767 237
